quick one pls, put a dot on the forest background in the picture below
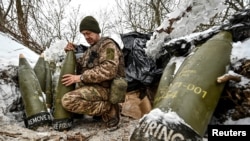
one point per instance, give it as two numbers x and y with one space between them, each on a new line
37 24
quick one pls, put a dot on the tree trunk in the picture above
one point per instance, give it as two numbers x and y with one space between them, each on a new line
22 23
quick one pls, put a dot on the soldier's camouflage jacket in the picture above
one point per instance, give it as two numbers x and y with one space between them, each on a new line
101 63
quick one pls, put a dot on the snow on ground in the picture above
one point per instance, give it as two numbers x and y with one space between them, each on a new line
10 50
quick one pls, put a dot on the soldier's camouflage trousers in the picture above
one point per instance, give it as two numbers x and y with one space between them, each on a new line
90 100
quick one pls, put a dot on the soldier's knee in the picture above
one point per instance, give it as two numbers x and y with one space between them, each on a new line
64 100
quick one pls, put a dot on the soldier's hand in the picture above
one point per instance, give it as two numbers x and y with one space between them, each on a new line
69 79
70 46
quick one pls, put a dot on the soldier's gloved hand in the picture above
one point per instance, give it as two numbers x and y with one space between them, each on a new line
70 46
69 79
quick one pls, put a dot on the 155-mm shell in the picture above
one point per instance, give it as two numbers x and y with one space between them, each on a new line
33 98
193 94
62 118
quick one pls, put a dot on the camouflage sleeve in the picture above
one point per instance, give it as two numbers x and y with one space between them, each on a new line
108 64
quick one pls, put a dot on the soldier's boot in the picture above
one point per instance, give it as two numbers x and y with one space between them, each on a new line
112 117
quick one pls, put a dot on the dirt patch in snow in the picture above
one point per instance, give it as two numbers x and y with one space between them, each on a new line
84 129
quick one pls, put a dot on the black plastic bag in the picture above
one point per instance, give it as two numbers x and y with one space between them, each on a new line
141 70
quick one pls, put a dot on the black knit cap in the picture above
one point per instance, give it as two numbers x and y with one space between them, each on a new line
90 23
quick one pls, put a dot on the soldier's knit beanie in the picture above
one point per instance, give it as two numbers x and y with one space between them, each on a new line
90 23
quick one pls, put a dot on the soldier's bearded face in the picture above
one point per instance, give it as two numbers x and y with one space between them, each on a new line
91 37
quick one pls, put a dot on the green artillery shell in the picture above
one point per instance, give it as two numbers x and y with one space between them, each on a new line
32 95
62 118
40 71
166 79
52 66
193 95
48 85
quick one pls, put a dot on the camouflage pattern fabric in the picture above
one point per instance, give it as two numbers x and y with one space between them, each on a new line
90 100
99 65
